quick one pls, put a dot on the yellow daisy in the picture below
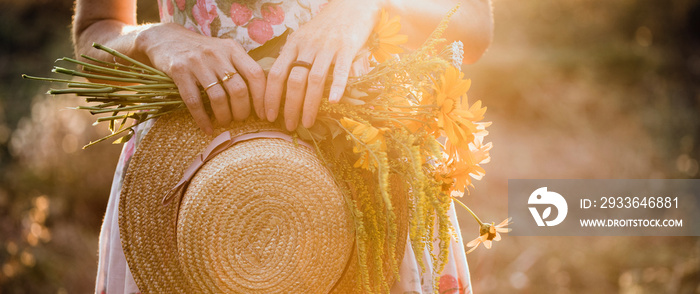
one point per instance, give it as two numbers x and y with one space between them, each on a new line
454 116
385 38
489 233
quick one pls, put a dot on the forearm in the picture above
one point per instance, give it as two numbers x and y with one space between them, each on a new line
110 23
472 23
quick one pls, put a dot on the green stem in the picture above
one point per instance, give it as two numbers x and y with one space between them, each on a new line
108 136
136 96
155 105
77 84
83 92
128 115
470 211
111 64
129 59
124 100
117 72
66 71
153 86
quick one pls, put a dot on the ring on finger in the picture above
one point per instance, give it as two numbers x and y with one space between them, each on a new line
305 64
211 85
228 76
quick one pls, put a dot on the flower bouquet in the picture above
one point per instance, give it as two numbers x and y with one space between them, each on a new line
408 118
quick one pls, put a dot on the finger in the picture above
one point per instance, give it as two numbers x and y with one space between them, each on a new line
315 87
191 96
238 97
343 62
296 90
218 100
254 78
276 80
360 64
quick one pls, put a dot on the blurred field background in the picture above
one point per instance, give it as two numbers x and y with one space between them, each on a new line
575 89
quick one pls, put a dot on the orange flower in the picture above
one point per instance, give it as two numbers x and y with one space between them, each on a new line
488 233
371 140
386 39
460 165
454 117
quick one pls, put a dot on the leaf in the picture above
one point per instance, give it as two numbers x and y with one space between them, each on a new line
546 212
355 93
271 48
319 131
335 130
124 138
266 63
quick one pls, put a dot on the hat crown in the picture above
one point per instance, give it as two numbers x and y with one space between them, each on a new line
264 216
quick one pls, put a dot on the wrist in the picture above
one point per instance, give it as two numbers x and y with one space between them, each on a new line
145 38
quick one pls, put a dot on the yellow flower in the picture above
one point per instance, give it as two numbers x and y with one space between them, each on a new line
488 233
465 163
460 165
371 138
386 39
454 116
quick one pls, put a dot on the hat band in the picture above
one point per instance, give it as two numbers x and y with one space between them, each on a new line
218 145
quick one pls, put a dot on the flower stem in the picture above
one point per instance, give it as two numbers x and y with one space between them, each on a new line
66 71
117 72
129 59
470 211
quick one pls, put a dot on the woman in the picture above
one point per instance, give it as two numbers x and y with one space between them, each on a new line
203 44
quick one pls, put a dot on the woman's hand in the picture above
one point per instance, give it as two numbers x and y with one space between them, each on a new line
333 37
194 62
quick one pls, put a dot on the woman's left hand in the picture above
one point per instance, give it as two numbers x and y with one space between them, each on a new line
333 37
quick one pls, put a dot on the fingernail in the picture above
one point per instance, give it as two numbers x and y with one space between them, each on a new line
291 126
271 115
308 122
335 97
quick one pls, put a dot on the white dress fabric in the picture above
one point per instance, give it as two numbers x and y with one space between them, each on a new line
251 23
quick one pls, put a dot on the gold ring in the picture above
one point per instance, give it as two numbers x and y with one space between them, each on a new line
228 76
211 85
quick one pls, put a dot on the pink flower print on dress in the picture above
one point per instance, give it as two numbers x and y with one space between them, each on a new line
161 11
462 287
180 4
171 8
448 285
128 151
272 13
260 31
204 13
191 28
240 14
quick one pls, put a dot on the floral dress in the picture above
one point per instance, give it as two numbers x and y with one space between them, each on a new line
252 23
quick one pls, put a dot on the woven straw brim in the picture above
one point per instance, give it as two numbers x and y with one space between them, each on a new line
264 216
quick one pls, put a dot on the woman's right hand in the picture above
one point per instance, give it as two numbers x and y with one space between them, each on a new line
196 62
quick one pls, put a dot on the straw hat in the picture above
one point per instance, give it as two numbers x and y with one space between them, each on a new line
261 216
